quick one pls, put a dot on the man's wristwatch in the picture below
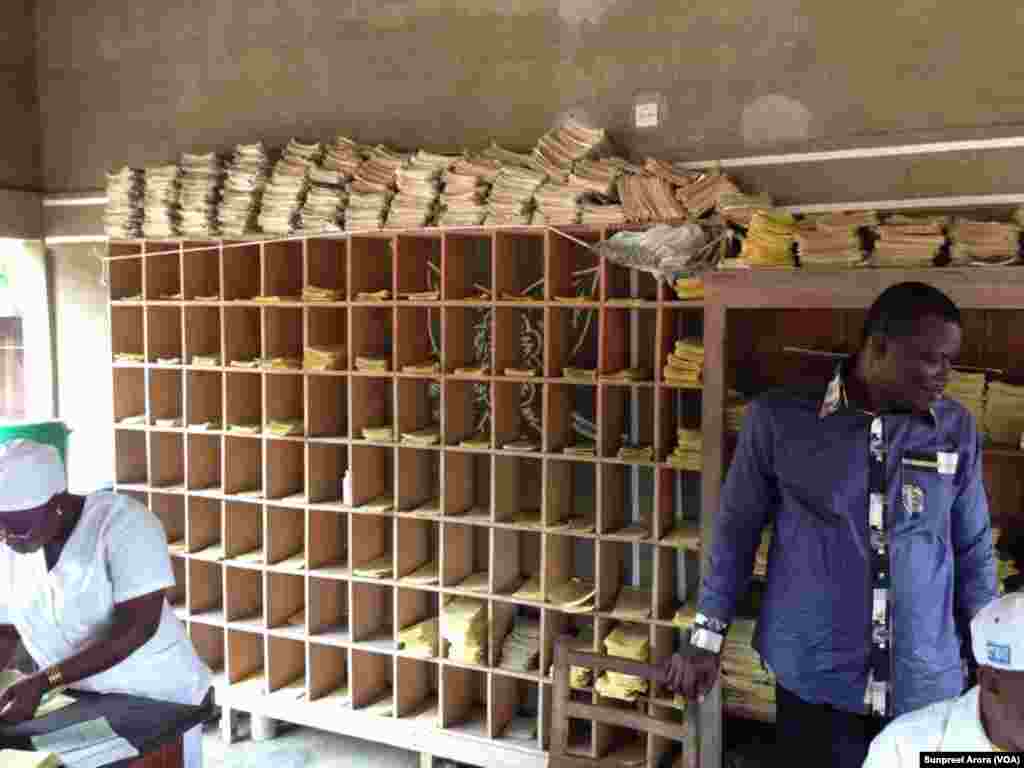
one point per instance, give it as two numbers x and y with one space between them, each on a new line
708 633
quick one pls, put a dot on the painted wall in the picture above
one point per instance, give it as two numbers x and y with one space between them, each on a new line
19 103
139 82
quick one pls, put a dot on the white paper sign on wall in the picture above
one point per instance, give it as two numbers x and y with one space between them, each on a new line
646 115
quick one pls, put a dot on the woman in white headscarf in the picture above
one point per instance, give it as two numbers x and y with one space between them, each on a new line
82 583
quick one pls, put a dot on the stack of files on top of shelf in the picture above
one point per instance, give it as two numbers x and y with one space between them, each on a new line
985 242
834 240
246 180
511 199
558 150
746 683
559 203
704 193
968 389
769 240
628 642
466 185
464 626
685 364
908 242
201 180
579 677
520 651
323 209
648 198
689 451
419 186
372 189
420 639
1004 413
162 216
126 189
285 193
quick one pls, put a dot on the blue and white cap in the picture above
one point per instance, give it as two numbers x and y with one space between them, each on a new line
997 633
31 474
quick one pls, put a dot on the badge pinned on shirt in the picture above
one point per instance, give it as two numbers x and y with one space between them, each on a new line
913 499
947 462
998 653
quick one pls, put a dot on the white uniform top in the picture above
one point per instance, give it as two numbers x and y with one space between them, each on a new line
117 552
949 726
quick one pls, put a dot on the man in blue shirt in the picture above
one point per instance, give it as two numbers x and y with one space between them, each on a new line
881 550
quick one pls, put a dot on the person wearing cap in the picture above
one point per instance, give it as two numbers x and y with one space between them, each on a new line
988 718
82 586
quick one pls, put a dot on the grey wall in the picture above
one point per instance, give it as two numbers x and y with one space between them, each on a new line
137 82
19 104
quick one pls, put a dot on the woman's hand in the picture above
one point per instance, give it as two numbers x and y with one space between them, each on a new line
20 700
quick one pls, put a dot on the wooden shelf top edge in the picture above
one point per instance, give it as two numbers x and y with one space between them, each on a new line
647 305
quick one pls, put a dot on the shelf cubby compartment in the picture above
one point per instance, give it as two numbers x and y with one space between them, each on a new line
675 325
129 393
328 327
516 412
627 501
327 406
242 336
243 598
205 592
286 668
464 701
572 270
418 337
620 564
516 559
328 611
166 460
417 691
243 466
326 464
519 265
241 270
282 269
282 334
467 486
372 683
205 527
515 705
418 264
285 471
125 274
204 471
678 509
209 643
626 336
414 606
202 332
285 398
570 416
163 272
419 543
465 410
419 481
286 538
200 274
556 624
245 662
419 404
676 408
466 334
518 490
375 537
676 579
372 404
126 331
286 605
371 334
164 334
518 340
570 492
327 543
370 265
572 340
177 596
627 418
624 284
130 457
328 676
326 264
465 551
243 530
204 398
566 558
169 509
373 612
503 616
166 401
467 266
371 473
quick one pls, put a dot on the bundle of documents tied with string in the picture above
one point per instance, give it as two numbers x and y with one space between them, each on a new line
627 641
986 242
511 197
968 389
685 364
372 189
161 212
689 451
769 240
747 685
247 174
464 627
1004 413
466 186
419 187
704 193
909 242
520 651
201 179
122 218
285 193
648 197
834 240
559 150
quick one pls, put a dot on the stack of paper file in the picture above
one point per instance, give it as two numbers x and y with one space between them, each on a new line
324 206
466 186
704 193
633 604
85 744
677 177
574 596
379 434
422 437
419 186
129 357
511 198
769 240
133 421
345 157
689 288
685 364
246 180
206 360
254 363
598 177
425 575
628 374
367 363
648 198
583 449
285 193
557 151
833 240
636 453
162 216
558 203
285 427
324 358
382 295
464 627
985 242
596 215
739 208
420 639
245 429
580 374
968 389
201 179
520 651
126 189
735 410
908 242
689 451
579 677
379 568
746 684
425 368
628 642
281 363
1004 414
371 190
761 556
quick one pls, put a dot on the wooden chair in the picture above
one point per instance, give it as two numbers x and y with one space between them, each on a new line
564 708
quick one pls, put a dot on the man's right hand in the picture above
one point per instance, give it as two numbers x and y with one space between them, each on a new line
692 675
